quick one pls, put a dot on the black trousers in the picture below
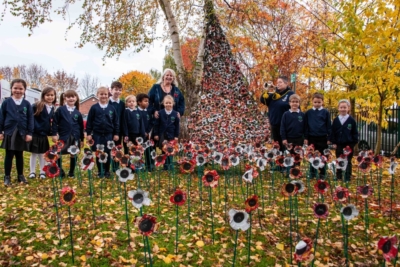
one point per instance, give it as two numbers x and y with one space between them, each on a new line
348 171
72 163
19 160
320 143
276 136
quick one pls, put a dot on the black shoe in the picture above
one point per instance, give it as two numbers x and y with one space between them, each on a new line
22 179
62 173
7 180
71 175
107 175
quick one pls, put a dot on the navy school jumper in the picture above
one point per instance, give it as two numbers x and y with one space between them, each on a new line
14 116
43 121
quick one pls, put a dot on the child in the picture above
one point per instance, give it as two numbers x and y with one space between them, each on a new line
16 128
102 126
119 105
43 113
68 127
132 124
145 115
292 124
317 128
166 127
344 133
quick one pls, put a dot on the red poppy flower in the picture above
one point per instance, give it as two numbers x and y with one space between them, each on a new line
210 178
388 246
289 189
50 156
297 158
347 150
378 161
251 204
365 191
187 166
279 160
60 145
225 163
90 142
160 160
303 249
321 210
341 194
321 186
295 173
147 224
124 161
68 196
87 162
117 154
170 148
52 170
178 198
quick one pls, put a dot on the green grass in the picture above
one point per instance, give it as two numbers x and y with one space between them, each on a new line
29 232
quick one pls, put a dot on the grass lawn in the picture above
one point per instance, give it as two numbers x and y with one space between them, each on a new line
29 232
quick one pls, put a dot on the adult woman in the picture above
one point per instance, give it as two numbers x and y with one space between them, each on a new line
167 85
277 101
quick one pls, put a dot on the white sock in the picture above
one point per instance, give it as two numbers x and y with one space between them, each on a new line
32 162
42 162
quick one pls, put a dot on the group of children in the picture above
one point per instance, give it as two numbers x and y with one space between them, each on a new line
26 127
315 127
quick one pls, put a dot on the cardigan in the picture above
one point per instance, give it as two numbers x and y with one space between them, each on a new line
156 97
14 116
66 123
167 125
133 123
318 123
102 121
43 121
344 134
120 108
292 125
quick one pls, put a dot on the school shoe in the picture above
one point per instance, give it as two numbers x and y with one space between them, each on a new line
71 175
7 180
22 179
42 176
32 175
107 175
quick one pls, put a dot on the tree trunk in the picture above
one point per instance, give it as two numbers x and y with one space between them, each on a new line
352 87
379 129
174 32
198 70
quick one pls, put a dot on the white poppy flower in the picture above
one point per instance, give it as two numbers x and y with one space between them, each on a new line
238 220
349 212
124 174
139 198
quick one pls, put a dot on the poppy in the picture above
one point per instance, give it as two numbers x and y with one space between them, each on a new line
139 140
341 194
90 142
279 160
68 196
178 198
295 173
200 160
327 152
100 147
170 148
316 162
251 203
289 189
238 220
270 155
347 150
153 154
60 145
210 178
341 163
110 144
87 162
388 246
50 156
321 186
298 150
248 176
225 163
261 163
321 210
187 166
303 249
367 159
149 143
139 198
147 224
132 149
360 158
297 158
102 157
365 191
378 161
364 166
73 150
124 161
235 160
393 165
124 174
51 169
160 160
217 157
349 212
299 184
288 161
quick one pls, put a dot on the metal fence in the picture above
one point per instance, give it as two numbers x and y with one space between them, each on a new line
368 131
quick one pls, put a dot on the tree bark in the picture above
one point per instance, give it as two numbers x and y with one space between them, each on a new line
379 129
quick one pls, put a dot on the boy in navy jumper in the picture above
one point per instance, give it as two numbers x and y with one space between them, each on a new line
292 125
344 133
145 115
166 127
16 128
132 124
119 105
277 102
102 126
317 128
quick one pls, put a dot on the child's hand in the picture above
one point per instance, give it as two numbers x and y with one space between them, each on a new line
329 142
82 143
88 138
156 114
28 138
147 135
54 138
1 136
126 139
305 141
284 142
176 138
116 138
334 146
179 115
156 138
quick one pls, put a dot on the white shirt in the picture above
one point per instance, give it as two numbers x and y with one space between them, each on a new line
70 109
168 112
297 111
48 108
131 109
112 100
103 106
321 108
17 101
343 118
142 109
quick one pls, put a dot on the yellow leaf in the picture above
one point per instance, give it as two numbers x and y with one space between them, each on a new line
29 258
280 246
83 258
200 244
167 260
44 256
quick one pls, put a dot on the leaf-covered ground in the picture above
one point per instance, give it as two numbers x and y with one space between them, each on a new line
29 232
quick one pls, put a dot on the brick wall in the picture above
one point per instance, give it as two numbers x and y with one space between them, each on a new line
86 104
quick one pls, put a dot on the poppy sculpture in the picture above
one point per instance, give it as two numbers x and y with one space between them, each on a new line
210 178
51 169
68 196
388 246
303 250
238 220
139 198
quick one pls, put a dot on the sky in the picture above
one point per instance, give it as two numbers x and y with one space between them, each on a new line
48 47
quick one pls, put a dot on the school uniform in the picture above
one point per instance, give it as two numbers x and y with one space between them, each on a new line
292 128
42 129
102 124
133 126
148 124
166 127
120 107
344 133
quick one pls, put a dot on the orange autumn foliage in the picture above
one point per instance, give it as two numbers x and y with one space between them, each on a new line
136 82
190 47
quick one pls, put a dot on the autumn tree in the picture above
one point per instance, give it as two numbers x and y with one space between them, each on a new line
156 74
88 85
6 72
32 74
61 81
135 82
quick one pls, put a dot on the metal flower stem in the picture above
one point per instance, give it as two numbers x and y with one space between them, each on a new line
391 197
290 228
126 213
308 184
200 194
60 176
176 234
149 251
144 240
211 213
91 196
226 195
316 241
158 195
233 184
379 186
234 249
249 240
77 171
70 233
262 190
366 219
112 181
188 198
57 216
101 195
